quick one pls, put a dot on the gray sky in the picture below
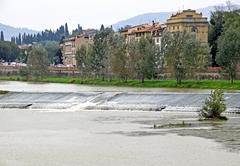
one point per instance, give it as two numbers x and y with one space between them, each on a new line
42 14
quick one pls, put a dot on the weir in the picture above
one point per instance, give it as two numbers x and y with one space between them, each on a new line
138 101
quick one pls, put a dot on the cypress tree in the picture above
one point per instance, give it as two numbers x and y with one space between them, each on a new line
66 30
19 39
2 36
13 39
102 28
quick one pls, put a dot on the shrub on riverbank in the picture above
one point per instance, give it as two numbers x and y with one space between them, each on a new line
3 92
214 106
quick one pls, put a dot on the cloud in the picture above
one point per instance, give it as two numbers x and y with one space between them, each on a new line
2 2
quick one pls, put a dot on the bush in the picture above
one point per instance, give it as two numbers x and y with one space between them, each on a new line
214 106
24 72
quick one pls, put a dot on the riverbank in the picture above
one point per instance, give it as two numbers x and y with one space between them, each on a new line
192 84
2 92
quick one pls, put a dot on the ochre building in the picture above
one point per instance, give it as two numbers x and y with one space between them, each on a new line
190 21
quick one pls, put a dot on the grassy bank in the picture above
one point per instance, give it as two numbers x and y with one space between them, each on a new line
204 84
3 92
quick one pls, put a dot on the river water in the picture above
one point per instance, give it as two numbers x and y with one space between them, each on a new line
61 127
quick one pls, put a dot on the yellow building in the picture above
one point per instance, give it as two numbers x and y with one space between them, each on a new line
190 21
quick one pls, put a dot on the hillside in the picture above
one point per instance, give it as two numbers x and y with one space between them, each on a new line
10 31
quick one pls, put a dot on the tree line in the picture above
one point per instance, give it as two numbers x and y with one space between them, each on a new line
9 52
47 35
111 57
224 39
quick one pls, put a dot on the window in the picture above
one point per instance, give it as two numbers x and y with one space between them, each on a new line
189 16
194 29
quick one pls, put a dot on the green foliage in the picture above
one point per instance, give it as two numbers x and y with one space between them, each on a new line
99 55
8 51
47 35
66 30
222 19
119 59
77 31
232 19
38 62
228 55
24 72
214 106
52 48
215 30
146 60
3 92
2 36
132 54
184 55
82 58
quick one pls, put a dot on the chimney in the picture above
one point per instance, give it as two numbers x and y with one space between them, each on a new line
153 23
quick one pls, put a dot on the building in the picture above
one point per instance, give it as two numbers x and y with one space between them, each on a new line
190 21
71 45
136 32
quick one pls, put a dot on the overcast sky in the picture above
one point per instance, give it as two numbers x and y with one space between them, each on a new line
42 14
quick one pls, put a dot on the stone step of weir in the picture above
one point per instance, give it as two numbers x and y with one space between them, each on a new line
15 105
46 97
104 97
51 106
130 107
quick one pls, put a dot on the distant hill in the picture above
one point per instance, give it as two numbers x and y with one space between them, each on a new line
157 17
10 31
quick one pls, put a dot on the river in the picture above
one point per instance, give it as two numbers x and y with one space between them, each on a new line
72 125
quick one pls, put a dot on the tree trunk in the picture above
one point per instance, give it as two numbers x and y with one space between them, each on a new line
232 79
179 81
142 80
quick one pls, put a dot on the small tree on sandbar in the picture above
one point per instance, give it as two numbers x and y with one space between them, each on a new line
214 106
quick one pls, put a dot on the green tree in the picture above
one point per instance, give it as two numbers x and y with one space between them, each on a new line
119 57
52 48
2 36
9 51
228 55
214 106
232 19
38 62
102 28
133 54
147 57
82 58
19 39
100 53
66 30
215 31
183 54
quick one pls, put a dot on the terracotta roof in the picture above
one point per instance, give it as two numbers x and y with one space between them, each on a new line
148 28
